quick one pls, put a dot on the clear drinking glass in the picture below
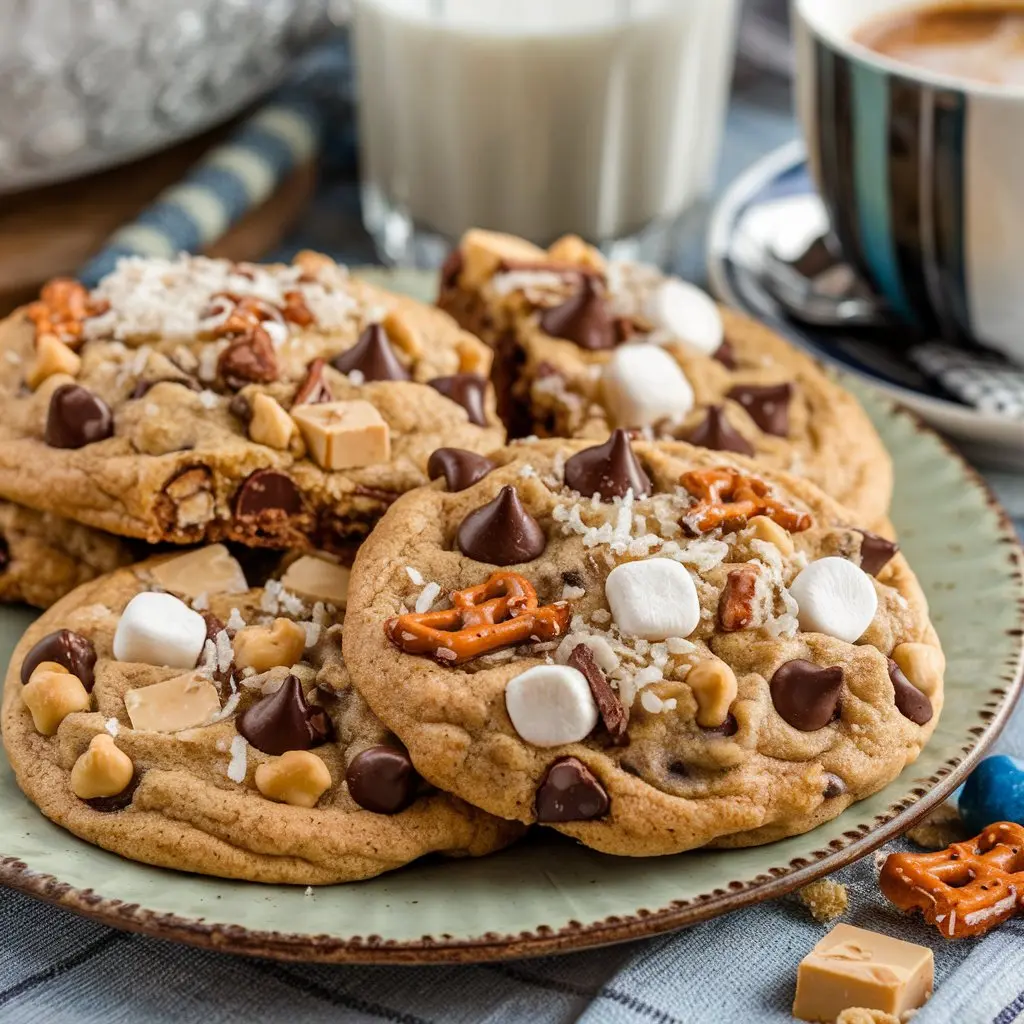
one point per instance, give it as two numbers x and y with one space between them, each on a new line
537 117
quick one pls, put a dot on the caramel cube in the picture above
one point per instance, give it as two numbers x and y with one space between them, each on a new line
344 435
315 579
853 967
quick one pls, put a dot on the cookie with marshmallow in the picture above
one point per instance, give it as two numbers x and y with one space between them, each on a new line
647 645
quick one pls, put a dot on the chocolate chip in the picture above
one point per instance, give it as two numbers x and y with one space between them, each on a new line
834 786
717 433
460 468
467 390
502 532
72 650
372 356
268 490
766 404
728 728
5 555
382 779
117 802
77 417
314 389
284 721
583 319
570 792
143 387
876 552
679 769
613 714
451 269
250 359
725 355
610 470
806 695
572 578
910 701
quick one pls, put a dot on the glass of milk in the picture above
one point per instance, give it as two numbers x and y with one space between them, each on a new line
538 117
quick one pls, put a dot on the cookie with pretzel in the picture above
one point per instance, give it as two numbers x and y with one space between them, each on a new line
175 715
649 646
583 345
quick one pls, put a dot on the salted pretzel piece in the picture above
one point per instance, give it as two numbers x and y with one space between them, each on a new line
62 306
498 613
728 498
965 890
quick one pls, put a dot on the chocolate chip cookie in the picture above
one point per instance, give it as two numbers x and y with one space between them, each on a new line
583 346
173 714
43 557
197 399
647 645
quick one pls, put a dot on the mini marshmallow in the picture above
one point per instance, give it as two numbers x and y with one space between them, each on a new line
158 629
550 705
654 599
643 384
688 314
835 597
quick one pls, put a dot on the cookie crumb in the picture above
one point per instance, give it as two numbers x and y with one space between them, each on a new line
113 726
861 1015
309 891
940 828
826 900
239 759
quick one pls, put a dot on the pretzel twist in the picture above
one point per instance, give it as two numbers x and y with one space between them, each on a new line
62 306
966 889
727 498
495 614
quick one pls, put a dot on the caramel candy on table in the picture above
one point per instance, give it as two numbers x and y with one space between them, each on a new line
344 435
854 967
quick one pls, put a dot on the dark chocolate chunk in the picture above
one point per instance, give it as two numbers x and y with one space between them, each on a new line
5 555
570 792
876 552
467 390
250 359
143 387
766 404
806 695
382 779
910 701
610 470
314 389
728 728
572 578
717 433
725 355
613 714
451 269
834 786
372 356
268 490
460 468
502 532
285 721
583 319
117 802
77 417
72 650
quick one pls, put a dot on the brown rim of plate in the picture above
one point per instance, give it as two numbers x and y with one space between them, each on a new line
777 881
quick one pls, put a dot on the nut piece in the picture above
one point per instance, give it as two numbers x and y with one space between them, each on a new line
483 252
344 435
736 605
714 687
270 424
572 249
52 356
766 529
922 664
474 357
53 695
266 647
297 777
402 334
103 770
183 702
316 579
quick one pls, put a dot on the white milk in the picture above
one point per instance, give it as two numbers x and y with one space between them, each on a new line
541 117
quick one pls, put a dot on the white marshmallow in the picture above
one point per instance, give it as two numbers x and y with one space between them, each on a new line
653 599
687 313
550 705
835 597
643 384
605 658
158 629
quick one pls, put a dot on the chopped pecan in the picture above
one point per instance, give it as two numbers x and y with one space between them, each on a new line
612 712
249 359
314 389
296 311
736 605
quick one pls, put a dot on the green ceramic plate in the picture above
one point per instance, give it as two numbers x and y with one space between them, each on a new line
548 894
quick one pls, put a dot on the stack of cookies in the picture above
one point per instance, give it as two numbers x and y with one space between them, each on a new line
335 579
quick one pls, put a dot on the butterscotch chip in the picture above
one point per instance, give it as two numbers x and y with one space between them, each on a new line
51 697
483 252
102 771
853 967
207 570
266 647
344 435
572 249
316 579
270 424
825 899
714 688
403 334
183 702
297 777
52 356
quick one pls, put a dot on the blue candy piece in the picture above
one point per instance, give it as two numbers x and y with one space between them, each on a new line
994 792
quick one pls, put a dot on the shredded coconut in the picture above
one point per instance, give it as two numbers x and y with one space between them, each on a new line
313 631
201 602
225 652
270 600
414 575
208 662
322 614
113 726
226 712
572 593
356 377
209 399
239 759
427 598
13 358
235 621
654 704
